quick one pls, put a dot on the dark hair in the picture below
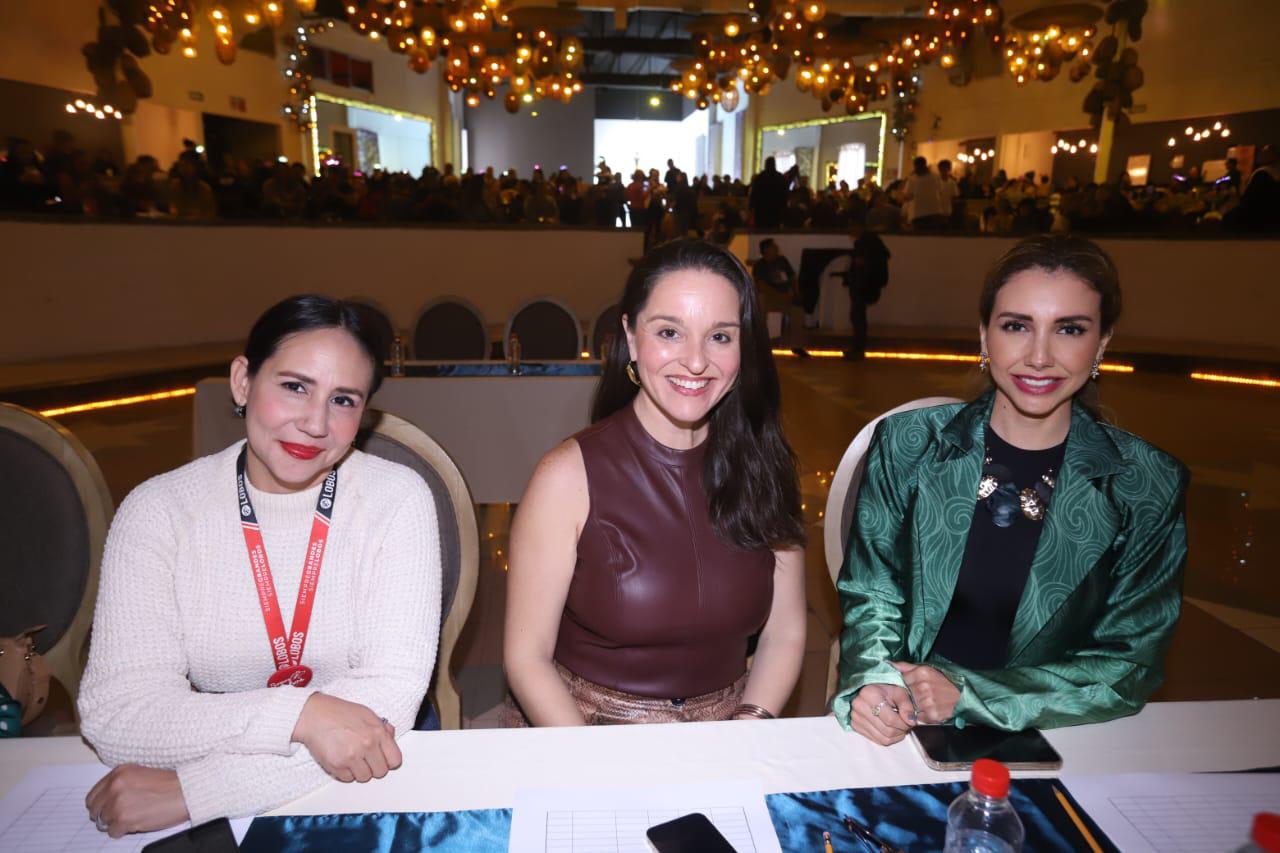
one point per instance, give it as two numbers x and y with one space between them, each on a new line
1053 253
749 474
920 165
767 242
305 313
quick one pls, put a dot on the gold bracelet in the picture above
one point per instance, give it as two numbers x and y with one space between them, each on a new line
751 710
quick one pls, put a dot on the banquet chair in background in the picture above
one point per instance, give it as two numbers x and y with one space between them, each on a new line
398 440
605 327
547 330
55 510
375 317
450 329
842 499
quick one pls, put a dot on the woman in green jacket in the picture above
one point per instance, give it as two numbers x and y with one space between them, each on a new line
1015 561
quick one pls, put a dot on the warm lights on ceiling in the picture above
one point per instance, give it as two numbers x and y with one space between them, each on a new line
82 107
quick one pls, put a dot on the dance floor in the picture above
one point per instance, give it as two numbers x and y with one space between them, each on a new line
1228 642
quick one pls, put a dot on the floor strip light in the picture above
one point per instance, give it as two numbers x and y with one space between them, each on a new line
119 401
1236 380
930 356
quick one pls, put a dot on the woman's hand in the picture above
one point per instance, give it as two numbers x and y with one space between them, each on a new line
882 713
935 695
347 739
136 799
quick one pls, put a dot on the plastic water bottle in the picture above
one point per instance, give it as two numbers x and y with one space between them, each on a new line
1265 837
981 820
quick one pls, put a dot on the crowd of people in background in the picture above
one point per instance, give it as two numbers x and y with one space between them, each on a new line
63 178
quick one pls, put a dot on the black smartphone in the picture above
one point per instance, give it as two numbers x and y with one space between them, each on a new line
693 833
950 748
212 837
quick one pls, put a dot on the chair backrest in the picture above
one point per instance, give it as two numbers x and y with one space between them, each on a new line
54 514
606 326
450 329
842 499
393 438
376 319
547 331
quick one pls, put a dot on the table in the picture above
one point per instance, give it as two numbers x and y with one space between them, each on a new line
483 768
495 427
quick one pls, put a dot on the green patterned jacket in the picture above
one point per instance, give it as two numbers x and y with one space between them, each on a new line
1102 598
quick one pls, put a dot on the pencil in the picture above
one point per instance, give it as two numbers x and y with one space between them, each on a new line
826 843
1075 818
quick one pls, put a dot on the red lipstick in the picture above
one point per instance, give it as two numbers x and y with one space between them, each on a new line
301 451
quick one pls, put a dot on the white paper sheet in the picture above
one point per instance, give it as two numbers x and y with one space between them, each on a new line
1176 812
45 813
614 820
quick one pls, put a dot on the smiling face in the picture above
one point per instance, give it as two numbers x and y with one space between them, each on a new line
686 346
302 407
1044 335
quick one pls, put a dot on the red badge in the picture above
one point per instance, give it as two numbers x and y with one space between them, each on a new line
293 676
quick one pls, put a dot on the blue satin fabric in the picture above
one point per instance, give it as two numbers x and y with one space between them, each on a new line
499 368
382 832
912 817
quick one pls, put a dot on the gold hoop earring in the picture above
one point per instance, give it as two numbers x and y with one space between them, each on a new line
983 361
1094 373
631 373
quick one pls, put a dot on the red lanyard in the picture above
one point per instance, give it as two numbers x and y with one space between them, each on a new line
286 652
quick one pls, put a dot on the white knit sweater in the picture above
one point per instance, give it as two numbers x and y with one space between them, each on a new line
180 658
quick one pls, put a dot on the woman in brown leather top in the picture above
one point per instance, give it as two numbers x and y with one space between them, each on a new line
652 546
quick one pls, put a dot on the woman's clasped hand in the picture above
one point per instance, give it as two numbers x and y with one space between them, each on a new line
349 741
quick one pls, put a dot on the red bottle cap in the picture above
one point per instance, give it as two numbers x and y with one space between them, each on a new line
1266 831
990 778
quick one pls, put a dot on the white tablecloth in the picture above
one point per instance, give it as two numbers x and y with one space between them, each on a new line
447 771
496 428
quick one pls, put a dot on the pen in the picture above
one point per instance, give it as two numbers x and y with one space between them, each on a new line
826 843
1075 818
868 836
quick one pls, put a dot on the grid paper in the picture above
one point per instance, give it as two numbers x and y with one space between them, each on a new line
1189 824
623 831
45 813
58 820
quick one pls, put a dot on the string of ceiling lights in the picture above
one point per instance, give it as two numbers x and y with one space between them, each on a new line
488 50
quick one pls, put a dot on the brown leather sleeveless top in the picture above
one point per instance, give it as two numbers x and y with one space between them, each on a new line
658 605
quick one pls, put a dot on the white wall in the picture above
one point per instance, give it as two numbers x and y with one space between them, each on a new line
1200 57
934 283
75 289
97 288
40 43
630 144
404 145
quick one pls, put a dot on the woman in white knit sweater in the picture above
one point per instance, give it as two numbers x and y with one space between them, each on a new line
198 612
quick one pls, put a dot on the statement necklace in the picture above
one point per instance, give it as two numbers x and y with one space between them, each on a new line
1002 496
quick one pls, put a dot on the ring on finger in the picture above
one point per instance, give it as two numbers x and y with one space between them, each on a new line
875 712
100 823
